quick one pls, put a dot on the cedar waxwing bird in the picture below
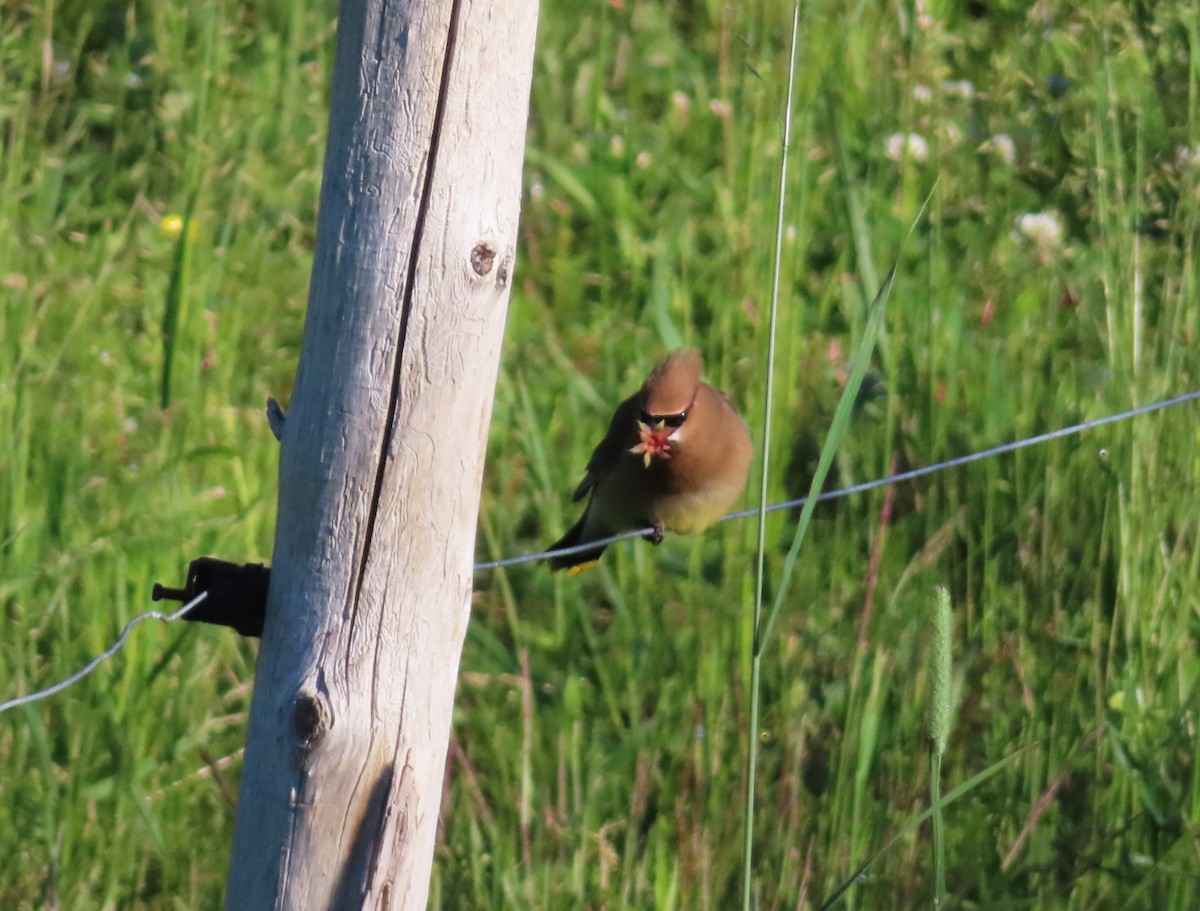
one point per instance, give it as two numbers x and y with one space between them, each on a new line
675 457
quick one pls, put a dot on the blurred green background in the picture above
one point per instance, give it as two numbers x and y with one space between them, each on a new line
601 721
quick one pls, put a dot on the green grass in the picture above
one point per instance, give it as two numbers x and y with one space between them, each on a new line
601 721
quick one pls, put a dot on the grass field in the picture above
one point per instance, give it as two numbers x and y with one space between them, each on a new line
597 758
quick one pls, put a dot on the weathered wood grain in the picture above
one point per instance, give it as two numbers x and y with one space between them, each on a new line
382 456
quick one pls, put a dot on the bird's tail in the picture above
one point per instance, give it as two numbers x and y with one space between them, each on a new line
582 560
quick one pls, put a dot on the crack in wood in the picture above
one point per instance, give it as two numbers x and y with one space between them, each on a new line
407 305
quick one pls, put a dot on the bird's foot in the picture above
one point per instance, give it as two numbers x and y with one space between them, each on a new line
655 535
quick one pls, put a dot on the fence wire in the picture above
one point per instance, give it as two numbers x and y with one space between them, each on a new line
871 485
519 559
103 656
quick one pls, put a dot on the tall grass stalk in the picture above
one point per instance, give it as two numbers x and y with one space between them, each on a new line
859 365
913 822
764 487
939 730
762 631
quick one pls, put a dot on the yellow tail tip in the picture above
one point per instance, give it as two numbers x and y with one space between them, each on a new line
576 569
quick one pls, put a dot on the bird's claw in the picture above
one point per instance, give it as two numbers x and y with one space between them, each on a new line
655 535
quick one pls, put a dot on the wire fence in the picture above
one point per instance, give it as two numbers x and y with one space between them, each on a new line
871 485
519 559
103 656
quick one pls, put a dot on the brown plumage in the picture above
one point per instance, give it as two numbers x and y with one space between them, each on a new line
675 457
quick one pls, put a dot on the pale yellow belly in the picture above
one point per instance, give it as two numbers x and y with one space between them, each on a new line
688 513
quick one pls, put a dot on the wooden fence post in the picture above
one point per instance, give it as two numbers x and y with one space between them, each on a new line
382 456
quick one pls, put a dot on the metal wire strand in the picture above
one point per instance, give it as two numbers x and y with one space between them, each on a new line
871 485
745 513
103 656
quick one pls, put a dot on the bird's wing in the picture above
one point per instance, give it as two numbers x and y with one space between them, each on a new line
610 449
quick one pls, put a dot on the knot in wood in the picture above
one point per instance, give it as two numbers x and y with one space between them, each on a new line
483 255
310 719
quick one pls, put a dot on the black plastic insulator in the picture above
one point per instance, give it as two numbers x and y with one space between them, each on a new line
237 595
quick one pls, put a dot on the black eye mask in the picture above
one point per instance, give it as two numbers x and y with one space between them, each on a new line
674 421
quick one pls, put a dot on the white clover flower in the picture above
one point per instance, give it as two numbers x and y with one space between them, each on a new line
721 108
907 145
1002 146
959 88
922 93
1187 157
1042 228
